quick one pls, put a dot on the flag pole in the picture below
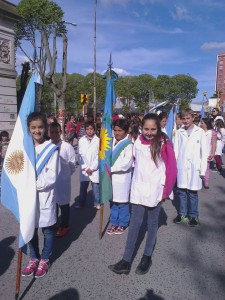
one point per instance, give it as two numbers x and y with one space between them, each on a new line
101 221
18 275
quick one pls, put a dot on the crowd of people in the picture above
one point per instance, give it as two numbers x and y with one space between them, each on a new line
146 169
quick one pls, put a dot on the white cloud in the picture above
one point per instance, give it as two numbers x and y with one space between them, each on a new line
213 46
181 13
121 72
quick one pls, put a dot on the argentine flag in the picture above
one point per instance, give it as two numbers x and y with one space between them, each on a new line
18 180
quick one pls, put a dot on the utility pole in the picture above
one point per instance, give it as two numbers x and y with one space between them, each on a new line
94 103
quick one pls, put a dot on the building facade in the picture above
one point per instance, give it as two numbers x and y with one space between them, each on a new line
8 97
220 78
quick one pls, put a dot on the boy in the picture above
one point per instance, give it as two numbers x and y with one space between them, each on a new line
63 183
191 156
88 160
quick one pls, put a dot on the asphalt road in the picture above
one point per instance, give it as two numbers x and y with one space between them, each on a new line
188 263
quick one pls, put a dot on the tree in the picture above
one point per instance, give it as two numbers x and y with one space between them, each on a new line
42 23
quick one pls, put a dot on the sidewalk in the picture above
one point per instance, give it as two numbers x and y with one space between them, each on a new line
188 263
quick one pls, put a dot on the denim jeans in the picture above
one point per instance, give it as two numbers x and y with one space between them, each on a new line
137 216
120 213
83 192
188 202
49 235
65 215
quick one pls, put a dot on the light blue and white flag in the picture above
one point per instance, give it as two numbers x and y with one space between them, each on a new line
18 182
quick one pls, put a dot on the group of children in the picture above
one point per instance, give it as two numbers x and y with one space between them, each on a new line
144 171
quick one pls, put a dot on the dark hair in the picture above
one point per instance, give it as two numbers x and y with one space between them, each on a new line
134 130
54 125
4 133
219 124
70 116
208 123
36 116
122 123
160 137
162 115
89 123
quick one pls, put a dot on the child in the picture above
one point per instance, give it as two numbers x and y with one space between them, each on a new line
206 125
46 205
4 142
121 178
163 118
191 154
88 160
63 184
220 130
153 180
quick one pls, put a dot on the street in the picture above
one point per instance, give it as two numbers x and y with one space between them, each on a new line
188 263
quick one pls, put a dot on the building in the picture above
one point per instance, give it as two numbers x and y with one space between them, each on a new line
220 78
8 97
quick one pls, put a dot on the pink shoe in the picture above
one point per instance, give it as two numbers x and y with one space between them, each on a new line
120 229
31 267
111 229
42 268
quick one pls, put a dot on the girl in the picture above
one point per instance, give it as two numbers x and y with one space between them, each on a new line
71 129
121 178
47 172
163 118
153 180
220 129
133 132
206 125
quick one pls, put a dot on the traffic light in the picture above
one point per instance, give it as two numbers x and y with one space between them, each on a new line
84 99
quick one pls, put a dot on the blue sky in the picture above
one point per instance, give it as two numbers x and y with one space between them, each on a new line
156 37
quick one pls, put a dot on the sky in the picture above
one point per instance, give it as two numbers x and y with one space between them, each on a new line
156 37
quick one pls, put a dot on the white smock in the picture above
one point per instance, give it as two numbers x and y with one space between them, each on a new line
68 165
148 179
46 204
88 158
121 173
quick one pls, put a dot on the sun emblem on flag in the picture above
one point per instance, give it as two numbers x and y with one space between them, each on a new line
15 162
104 143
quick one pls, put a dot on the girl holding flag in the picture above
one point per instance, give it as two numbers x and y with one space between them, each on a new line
47 166
153 180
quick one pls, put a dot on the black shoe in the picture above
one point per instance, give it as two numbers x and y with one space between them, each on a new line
122 267
193 222
144 265
180 219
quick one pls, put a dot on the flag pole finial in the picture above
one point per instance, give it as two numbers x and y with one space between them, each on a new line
110 62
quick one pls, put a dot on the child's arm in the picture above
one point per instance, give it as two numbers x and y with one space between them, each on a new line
204 155
71 159
124 161
82 148
46 180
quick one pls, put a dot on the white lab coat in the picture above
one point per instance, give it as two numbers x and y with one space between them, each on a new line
191 155
88 158
121 173
220 141
68 165
46 204
148 179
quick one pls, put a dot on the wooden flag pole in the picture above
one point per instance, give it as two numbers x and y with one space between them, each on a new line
101 221
18 275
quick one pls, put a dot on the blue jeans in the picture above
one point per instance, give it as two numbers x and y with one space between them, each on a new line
83 192
49 235
188 202
137 216
120 214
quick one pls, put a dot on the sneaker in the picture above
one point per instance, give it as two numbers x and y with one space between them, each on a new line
193 222
180 219
31 267
120 229
62 231
42 268
122 267
111 229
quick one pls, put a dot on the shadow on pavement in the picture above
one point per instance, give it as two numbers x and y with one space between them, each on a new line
6 253
70 294
27 288
150 295
79 219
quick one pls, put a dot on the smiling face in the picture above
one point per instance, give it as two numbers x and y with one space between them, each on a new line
149 129
37 130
